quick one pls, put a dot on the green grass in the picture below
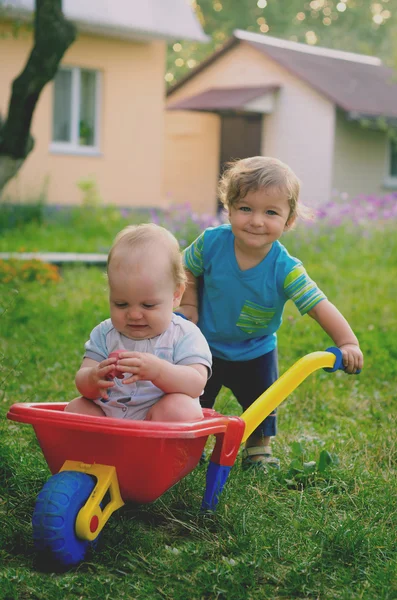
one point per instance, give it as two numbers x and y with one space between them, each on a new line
87 229
74 230
323 534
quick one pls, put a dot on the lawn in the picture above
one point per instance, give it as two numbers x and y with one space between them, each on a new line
323 534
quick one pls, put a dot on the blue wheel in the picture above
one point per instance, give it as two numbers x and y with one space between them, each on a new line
54 517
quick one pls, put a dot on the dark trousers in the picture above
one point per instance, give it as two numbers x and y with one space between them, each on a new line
247 380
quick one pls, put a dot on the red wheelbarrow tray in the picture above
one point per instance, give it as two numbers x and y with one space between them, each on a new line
150 457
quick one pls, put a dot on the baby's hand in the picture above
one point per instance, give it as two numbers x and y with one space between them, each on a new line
353 359
141 366
101 376
189 311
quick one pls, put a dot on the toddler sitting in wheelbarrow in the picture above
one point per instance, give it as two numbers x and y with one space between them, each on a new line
165 360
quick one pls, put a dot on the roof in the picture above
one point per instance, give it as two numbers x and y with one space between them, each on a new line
126 19
356 83
226 98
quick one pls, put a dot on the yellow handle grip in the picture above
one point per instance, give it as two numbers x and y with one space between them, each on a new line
287 383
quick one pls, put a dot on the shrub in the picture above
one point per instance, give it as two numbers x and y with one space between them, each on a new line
17 215
15 270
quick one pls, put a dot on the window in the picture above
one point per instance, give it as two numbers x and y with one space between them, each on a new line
390 180
393 159
75 111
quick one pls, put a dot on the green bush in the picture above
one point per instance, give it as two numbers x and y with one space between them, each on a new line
13 215
16 271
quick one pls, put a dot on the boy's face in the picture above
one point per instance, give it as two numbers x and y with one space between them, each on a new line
259 219
142 296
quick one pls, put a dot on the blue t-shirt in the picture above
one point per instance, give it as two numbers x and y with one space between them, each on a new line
240 311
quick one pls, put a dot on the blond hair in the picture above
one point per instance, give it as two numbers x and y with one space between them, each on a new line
142 237
256 173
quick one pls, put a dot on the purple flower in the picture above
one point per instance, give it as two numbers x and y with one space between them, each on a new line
154 217
357 211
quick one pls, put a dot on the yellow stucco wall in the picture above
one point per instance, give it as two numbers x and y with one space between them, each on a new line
191 164
360 160
129 169
300 131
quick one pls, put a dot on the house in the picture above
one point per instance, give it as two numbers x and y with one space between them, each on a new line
102 118
319 110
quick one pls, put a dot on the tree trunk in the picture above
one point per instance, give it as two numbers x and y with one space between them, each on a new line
53 35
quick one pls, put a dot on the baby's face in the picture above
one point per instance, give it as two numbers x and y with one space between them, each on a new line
142 296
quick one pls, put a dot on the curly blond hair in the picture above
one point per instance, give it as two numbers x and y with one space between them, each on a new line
260 172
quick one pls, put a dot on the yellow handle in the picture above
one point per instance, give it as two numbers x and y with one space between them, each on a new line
287 383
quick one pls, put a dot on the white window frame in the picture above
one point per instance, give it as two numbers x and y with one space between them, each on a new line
390 179
73 147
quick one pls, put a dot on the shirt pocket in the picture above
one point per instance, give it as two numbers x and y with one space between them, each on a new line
165 354
255 317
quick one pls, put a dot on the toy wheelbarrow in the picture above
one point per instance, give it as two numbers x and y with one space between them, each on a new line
100 463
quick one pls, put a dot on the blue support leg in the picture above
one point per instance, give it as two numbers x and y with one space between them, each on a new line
216 478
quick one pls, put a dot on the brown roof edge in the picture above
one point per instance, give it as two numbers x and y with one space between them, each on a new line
224 98
233 41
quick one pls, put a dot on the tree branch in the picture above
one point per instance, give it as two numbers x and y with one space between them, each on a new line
53 35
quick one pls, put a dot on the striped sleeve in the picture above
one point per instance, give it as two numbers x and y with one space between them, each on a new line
302 290
193 256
